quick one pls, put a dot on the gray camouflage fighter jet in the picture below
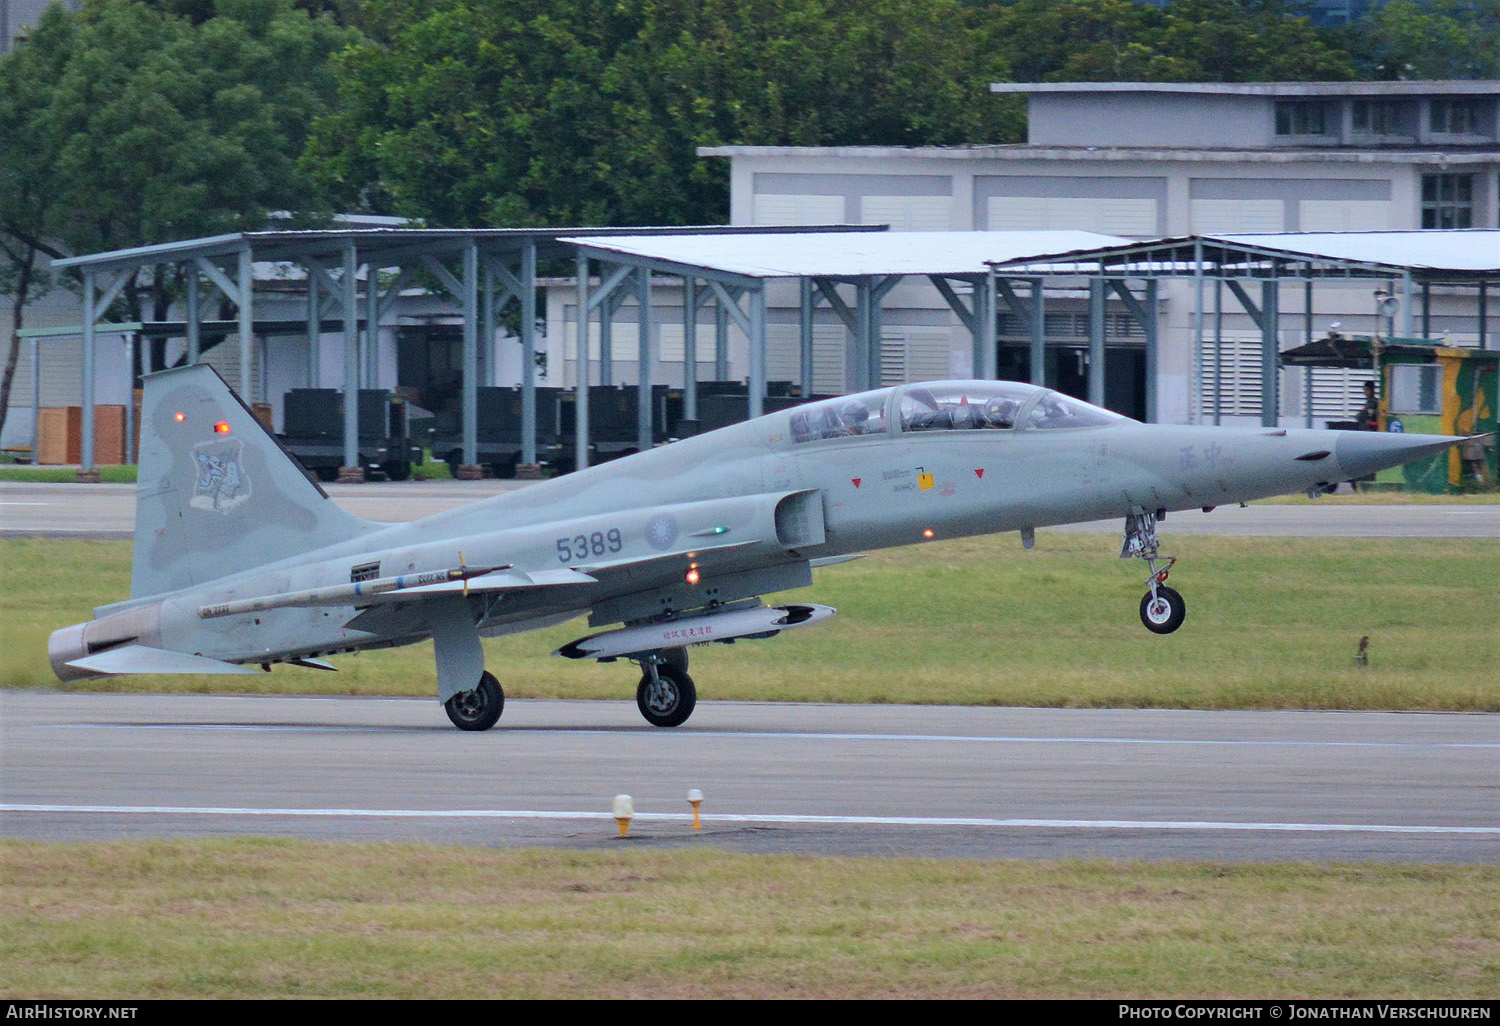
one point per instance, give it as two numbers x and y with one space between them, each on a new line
241 561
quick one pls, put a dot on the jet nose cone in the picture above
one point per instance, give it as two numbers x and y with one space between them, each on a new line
1361 453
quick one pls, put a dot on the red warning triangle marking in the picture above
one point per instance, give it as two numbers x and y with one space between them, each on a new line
856 481
979 471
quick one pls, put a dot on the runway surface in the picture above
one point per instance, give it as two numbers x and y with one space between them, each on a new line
108 511
814 779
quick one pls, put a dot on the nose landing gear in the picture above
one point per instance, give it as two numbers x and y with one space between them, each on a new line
1162 608
666 695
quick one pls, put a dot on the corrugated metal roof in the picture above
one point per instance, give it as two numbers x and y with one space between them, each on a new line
1469 250
846 255
1434 255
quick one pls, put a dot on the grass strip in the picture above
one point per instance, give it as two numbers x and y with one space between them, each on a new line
1271 624
272 918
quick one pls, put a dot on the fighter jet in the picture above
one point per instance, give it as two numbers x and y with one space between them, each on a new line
242 561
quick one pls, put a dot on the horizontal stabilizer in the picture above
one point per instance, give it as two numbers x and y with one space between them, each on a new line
144 659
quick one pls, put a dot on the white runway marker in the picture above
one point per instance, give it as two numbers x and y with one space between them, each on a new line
764 819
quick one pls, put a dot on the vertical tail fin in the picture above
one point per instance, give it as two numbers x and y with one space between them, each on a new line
216 493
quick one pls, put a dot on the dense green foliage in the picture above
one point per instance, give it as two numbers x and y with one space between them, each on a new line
590 111
130 122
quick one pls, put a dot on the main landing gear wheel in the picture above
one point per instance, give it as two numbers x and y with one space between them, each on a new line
667 696
1163 612
477 709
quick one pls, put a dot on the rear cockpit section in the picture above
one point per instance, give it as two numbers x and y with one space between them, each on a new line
964 405
994 406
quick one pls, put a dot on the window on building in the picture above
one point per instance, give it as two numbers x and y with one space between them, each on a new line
1453 117
1300 117
1447 201
1377 117
1416 388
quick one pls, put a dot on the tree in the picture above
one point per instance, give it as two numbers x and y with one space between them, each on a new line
1184 41
465 112
139 124
1441 39
27 159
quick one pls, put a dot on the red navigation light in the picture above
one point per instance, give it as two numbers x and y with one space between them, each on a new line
927 533
179 418
692 574
222 427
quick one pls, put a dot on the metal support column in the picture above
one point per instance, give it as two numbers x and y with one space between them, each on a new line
1153 349
351 361
863 360
87 426
369 355
36 403
528 352
690 348
1038 334
131 341
471 354
1195 379
607 338
645 407
314 326
1307 372
486 353
247 322
1096 341
721 341
757 350
805 338
1218 350
1270 309
581 403
193 317
984 315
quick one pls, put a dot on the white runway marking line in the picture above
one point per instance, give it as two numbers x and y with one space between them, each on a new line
801 736
784 820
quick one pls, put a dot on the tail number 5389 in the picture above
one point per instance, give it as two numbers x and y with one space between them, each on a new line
582 546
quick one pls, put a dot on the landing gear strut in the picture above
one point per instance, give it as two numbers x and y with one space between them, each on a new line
1162 608
666 695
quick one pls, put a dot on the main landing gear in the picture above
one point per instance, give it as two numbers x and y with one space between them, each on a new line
1162 608
666 695
478 709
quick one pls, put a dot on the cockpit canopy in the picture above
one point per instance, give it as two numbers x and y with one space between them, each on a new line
946 406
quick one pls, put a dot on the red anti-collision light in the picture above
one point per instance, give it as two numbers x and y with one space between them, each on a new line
222 427
179 418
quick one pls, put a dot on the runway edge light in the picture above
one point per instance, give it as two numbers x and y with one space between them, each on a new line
624 812
695 799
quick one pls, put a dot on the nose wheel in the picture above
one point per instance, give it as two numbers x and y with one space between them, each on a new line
666 695
1162 608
